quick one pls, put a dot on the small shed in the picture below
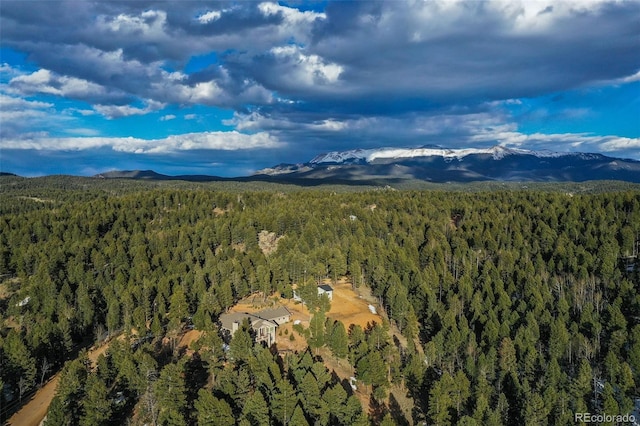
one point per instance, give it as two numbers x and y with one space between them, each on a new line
325 289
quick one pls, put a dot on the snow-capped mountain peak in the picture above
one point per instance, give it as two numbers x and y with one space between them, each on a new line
438 164
341 156
368 155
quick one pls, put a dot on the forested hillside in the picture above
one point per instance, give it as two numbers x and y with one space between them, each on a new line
515 307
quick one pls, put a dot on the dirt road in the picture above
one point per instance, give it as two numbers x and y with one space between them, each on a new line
34 411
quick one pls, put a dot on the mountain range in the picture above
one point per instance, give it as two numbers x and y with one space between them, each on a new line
432 164
436 164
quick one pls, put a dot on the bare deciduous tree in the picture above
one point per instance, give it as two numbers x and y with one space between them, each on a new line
23 386
45 367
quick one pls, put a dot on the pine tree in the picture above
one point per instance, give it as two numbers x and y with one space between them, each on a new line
581 386
609 403
224 294
298 418
262 367
461 391
20 363
96 404
56 414
316 326
311 399
178 309
411 330
335 397
113 316
321 374
535 411
213 411
256 410
350 413
467 421
338 340
387 420
440 400
170 392
357 344
241 345
71 387
372 371
241 381
283 402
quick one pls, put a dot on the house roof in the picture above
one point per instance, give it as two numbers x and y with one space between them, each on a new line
270 314
257 319
325 287
227 320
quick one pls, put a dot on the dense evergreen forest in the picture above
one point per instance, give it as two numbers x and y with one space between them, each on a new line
514 306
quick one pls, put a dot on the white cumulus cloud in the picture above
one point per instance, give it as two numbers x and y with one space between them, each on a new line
304 70
210 16
117 111
46 82
147 26
222 141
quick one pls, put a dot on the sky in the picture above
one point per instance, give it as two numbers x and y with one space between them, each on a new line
229 88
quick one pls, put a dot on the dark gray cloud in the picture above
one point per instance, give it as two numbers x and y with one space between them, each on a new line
414 55
448 53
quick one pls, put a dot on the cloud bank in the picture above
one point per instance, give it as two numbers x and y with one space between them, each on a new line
222 141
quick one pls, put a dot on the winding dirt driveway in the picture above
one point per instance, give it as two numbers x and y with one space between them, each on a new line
34 411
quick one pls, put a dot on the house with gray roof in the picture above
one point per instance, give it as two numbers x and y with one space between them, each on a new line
263 323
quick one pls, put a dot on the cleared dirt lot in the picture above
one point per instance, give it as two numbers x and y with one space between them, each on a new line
298 313
347 306
351 307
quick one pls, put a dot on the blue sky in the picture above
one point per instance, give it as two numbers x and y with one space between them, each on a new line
228 88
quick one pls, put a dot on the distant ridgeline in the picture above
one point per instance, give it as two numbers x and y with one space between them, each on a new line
434 164
403 166
499 307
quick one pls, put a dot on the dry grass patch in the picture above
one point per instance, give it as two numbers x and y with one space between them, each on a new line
8 287
351 307
187 339
218 211
4 291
